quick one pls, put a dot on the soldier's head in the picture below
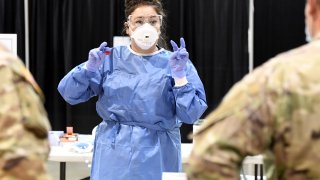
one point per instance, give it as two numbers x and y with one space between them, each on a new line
312 18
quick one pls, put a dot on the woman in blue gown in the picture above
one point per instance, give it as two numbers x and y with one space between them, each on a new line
144 95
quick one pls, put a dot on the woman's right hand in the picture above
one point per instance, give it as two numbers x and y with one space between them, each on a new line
97 56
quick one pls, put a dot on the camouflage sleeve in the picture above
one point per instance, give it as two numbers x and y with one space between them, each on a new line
31 100
24 124
237 128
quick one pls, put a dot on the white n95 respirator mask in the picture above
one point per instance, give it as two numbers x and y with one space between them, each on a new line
145 36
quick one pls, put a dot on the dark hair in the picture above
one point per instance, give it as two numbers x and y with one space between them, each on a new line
132 5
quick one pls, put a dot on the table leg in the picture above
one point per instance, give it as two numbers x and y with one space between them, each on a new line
261 172
62 170
255 171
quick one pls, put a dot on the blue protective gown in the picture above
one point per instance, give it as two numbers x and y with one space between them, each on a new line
139 137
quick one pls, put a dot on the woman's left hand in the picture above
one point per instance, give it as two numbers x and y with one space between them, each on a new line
178 59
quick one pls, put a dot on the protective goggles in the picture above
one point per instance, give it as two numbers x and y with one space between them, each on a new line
155 20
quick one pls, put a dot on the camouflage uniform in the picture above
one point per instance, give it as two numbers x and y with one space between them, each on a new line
273 111
23 122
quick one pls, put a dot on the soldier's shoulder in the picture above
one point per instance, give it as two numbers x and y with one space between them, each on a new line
6 58
11 61
306 51
293 68
292 60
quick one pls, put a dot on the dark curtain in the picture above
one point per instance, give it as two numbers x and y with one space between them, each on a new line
63 31
12 22
279 26
216 35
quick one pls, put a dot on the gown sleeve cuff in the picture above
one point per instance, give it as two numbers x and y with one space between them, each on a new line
180 81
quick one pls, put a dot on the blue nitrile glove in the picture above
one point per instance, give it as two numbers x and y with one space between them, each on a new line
178 59
96 57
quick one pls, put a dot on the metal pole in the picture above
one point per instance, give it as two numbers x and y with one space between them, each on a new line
251 35
26 32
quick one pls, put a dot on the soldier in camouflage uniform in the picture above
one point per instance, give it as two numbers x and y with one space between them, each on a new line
24 125
273 111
